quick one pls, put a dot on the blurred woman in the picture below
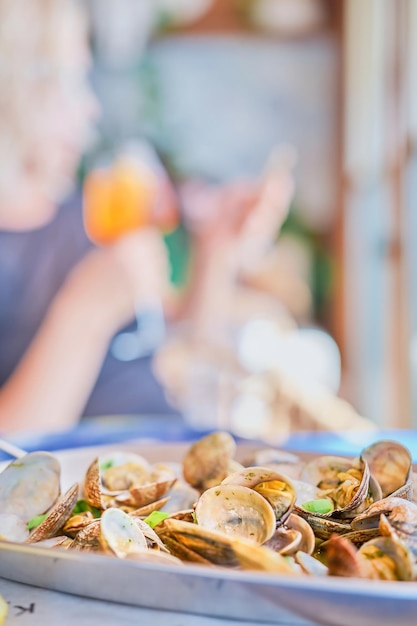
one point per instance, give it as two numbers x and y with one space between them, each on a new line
61 300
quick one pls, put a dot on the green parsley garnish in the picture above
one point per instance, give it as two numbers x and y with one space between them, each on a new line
82 506
155 518
106 465
321 506
36 521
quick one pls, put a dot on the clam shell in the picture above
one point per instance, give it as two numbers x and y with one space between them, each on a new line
12 528
29 486
92 485
262 559
236 511
207 462
126 467
391 464
88 537
119 534
276 488
160 481
322 473
308 540
285 541
199 544
57 517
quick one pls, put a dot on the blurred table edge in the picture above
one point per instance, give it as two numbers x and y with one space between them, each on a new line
114 429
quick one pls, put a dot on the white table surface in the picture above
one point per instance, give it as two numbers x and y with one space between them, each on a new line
29 606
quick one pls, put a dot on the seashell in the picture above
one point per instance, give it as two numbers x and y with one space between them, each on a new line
399 521
236 511
92 486
120 534
310 565
143 511
88 538
12 528
207 462
308 540
383 558
152 539
101 481
276 488
323 526
397 510
62 541
347 483
391 464
76 522
197 544
60 513
160 480
285 541
126 469
181 497
262 559
30 485
179 550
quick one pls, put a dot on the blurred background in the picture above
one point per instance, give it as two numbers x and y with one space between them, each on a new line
320 330
214 85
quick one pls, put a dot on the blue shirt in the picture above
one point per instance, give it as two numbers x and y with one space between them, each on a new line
33 266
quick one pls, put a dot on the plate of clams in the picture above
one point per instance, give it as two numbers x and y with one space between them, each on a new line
216 528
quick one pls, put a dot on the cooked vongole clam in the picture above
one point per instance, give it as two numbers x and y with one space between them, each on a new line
57 516
391 465
347 483
29 486
275 487
127 480
332 519
210 460
398 517
236 511
13 528
385 558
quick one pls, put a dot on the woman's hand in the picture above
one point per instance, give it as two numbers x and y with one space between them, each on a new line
109 284
244 216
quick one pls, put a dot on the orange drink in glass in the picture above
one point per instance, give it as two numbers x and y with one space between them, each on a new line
120 198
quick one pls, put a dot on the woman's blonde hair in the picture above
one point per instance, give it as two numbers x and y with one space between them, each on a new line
32 33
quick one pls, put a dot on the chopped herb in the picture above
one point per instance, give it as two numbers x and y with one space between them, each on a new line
321 506
155 518
82 506
106 465
36 521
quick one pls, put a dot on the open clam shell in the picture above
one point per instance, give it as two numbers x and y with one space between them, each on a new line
152 488
194 543
208 460
383 558
112 475
275 487
12 528
347 483
57 517
29 486
88 538
391 464
236 511
398 516
119 534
